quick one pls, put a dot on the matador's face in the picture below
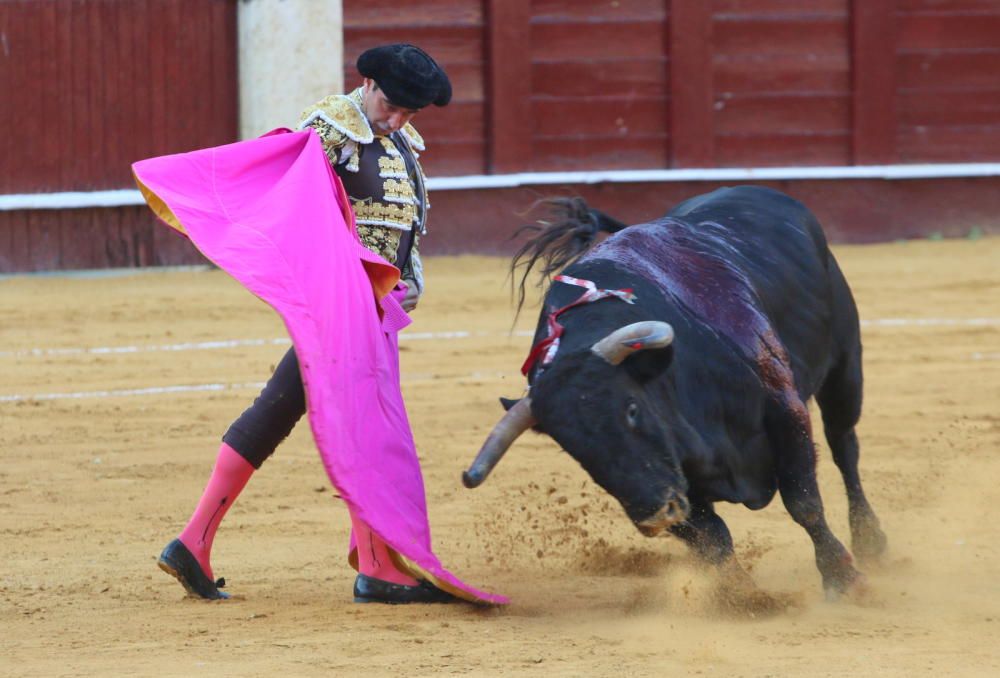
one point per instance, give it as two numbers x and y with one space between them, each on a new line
385 117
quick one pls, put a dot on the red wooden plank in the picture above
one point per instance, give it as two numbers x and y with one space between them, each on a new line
780 150
946 5
156 55
189 128
113 165
631 152
199 93
949 31
824 74
459 121
132 131
451 158
691 112
395 14
598 11
645 78
509 84
6 239
225 40
176 125
123 230
874 76
605 117
17 257
77 244
142 238
974 143
79 142
783 7
45 143
948 71
6 117
26 46
954 109
118 240
783 35
11 114
580 41
59 73
94 88
43 239
7 263
783 114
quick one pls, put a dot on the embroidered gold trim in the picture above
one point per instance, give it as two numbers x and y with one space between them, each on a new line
398 216
412 136
396 190
341 113
392 166
382 241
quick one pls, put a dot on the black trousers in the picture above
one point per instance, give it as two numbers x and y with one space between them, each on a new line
273 415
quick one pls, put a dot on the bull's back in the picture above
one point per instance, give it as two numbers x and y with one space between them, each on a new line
778 243
766 225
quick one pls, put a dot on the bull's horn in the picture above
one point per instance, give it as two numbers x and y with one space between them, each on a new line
624 341
517 420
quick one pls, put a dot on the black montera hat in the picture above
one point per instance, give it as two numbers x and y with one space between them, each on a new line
407 75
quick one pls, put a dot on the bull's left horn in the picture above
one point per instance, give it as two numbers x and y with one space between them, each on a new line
625 341
517 420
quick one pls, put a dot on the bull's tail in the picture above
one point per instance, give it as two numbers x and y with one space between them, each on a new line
569 230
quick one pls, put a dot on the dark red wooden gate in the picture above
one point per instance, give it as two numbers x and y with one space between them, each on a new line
86 88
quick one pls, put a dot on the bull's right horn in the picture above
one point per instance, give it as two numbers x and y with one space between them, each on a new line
517 420
625 341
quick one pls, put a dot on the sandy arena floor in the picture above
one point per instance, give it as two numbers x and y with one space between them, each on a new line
93 486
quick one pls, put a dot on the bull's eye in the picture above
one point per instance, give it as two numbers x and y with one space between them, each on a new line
632 415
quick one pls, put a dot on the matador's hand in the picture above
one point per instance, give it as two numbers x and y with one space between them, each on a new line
412 296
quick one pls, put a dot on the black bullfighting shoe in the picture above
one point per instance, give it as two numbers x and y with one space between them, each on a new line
177 561
370 590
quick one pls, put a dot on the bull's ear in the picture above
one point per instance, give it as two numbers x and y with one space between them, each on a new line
649 363
508 403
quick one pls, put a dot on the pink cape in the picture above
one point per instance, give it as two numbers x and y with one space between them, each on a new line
272 214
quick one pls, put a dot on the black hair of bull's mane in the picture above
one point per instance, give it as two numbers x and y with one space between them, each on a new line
570 228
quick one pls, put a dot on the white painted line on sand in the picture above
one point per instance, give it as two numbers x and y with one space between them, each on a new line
229 343
424 336
130 392
246 386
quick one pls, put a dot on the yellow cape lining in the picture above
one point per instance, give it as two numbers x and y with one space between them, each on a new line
159 207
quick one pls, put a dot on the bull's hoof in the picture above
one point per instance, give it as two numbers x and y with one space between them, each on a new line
856 590
868 541
738 595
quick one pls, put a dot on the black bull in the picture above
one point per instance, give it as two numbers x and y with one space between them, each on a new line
694 390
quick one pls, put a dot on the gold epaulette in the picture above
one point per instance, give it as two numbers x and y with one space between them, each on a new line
413 137
338 116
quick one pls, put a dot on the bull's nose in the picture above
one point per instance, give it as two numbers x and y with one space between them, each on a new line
675 511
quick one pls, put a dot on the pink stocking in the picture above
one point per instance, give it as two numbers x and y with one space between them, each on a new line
373 556
228 479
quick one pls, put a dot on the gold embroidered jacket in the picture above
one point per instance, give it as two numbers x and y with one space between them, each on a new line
382 176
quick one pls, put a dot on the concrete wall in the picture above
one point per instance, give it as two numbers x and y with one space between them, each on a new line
290 55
